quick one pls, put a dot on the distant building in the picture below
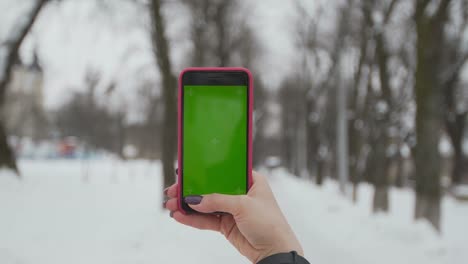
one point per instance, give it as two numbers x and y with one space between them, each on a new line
24 113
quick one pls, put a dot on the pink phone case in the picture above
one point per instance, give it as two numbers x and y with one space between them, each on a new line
179 122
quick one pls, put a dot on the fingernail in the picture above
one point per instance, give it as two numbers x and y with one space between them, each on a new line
177 171
195 199
171 214
165 191
164 203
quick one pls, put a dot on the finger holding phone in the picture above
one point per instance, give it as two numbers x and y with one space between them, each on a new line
255 225
216 188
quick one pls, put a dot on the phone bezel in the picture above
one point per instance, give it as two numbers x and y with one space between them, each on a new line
213 77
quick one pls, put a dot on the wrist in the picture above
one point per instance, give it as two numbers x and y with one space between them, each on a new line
281 248
284 258
288 245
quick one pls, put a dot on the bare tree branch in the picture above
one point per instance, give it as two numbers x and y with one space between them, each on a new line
169 84
441 11
454 70
13 44
420 8
389 12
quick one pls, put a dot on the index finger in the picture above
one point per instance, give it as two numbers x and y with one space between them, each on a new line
171 191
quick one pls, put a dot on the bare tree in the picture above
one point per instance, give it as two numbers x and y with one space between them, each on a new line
342 157
168 82
211 32
384 106
357 111
291 98
455 57
318 89
221 37
372 105
92 123
10 48
429 109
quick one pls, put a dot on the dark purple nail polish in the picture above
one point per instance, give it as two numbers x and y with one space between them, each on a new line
177 171
195 199
171 214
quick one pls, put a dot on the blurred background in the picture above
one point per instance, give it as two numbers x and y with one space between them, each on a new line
360 124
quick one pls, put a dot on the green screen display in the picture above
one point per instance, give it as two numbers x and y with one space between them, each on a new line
214 139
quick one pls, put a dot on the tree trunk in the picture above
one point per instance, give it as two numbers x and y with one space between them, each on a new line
301 137
7 157
120 136
454 121
400 172
169 133
11 47
342 137
312 142
380 200
320 171
354 153
355 192
222 49
380 137
455 125
379 165
428 207
427 157
458 170
429 110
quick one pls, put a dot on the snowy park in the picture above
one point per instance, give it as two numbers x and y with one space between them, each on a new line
108 211
355 110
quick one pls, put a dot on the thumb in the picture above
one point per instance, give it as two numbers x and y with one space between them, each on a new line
211 203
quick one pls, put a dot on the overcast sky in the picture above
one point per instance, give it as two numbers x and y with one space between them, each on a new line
72 37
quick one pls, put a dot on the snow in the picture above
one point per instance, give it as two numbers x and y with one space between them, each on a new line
339 232
107 211
461 191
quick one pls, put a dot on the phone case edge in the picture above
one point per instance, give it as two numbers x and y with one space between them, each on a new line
179 124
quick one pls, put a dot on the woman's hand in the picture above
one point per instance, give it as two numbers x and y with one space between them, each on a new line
255 224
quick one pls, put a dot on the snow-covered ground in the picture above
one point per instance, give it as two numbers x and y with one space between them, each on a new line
110 212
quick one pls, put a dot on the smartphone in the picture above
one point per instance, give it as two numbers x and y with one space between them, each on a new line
215 132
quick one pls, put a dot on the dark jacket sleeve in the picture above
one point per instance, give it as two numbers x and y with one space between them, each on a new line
284 258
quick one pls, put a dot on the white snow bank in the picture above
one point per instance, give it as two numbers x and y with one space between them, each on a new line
109 212
333 230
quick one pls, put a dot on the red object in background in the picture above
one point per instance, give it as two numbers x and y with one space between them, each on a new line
66 148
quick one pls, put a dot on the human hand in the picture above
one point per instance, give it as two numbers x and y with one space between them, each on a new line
255 225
